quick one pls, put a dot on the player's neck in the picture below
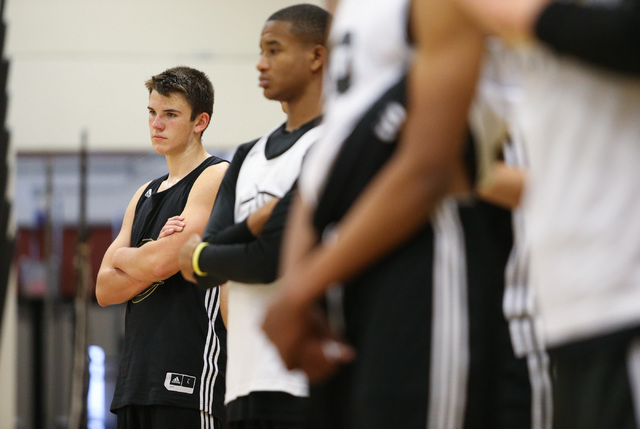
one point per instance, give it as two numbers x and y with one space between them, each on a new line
183 163
303 109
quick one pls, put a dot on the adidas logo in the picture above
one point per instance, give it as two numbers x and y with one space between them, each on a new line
148 193
180 383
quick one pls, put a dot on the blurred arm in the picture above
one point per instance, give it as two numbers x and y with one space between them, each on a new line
426 163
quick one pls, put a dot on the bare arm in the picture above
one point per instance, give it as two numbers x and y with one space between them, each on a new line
426 164
158 260
113 285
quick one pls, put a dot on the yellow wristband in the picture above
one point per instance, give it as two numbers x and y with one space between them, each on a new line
196 257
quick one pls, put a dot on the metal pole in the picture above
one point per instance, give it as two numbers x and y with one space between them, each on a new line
77 413
42 311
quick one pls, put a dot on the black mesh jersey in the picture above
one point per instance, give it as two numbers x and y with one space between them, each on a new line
174 350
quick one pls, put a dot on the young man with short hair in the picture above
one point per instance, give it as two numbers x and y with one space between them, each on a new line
173 358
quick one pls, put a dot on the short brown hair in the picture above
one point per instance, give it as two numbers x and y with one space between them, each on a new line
193 84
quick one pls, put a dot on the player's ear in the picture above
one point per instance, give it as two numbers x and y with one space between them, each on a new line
319 58
202 120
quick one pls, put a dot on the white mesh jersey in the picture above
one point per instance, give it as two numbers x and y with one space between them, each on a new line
254 363
369 53
581 130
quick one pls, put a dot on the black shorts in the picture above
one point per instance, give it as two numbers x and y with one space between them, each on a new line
266 424
429 351
268 409
592 383
165 417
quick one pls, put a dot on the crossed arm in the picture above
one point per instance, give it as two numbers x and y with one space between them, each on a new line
127 271
247 252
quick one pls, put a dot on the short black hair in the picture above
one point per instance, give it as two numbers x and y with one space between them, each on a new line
193 84
309 23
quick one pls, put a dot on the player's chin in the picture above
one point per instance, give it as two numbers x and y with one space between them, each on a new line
163 149
271 94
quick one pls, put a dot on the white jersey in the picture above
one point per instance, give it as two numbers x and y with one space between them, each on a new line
253 362
581 129
368 56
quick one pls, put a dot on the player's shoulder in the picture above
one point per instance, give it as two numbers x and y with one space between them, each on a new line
214 160
214 172
143 188
243 149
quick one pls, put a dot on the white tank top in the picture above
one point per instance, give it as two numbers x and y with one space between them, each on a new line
581 127
253 362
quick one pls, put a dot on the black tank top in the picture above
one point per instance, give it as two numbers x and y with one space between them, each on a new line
174 350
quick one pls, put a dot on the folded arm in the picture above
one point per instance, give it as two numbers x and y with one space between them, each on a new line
157 260
505 187
114 286
252 261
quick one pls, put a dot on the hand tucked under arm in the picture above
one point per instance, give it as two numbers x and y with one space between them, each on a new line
505 187
257 219
174 224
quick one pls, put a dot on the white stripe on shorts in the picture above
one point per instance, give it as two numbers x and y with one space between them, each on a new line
450 333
